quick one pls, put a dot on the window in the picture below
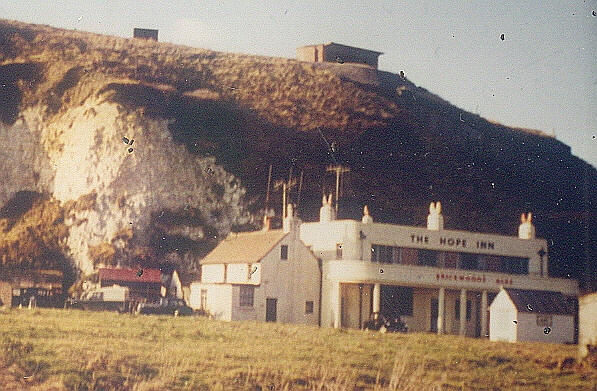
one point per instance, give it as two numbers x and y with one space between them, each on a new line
384 254
284 252
469 261
544 320
308 307
396 301
516 265
246 295
203 299
427 257
338 251
457 309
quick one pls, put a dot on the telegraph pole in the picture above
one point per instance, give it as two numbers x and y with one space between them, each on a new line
339 170
286 186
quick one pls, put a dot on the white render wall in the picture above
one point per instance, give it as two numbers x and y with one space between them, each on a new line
503 319
587 322
292 282
323 238
561 330
219 299
212 273
238 273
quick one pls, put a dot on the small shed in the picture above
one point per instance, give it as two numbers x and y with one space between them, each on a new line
17 287
338 53
587 323
531 315
143 284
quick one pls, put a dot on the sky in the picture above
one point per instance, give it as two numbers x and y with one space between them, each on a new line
542 75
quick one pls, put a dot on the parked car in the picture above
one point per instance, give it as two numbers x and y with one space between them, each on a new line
383 325
166 306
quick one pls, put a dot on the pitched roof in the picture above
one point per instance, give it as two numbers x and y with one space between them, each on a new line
131 275
541 302
245 247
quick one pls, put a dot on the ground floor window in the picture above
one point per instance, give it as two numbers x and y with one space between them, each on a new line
308 307
396 301
246 295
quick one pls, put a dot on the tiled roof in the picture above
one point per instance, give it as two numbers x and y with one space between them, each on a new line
131 275
541 302
245 247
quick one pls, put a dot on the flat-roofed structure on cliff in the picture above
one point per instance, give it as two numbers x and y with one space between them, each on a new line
338 53
150 34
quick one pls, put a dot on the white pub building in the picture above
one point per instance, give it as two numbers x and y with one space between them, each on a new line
433 279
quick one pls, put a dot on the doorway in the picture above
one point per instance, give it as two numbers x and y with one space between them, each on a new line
434 311
271 306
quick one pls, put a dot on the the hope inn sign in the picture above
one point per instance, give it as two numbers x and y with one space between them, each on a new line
453 242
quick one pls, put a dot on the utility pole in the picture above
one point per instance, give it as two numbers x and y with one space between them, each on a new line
339 170
286 186
269 181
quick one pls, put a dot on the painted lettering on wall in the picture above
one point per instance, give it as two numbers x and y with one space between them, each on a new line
453 242
460 277
471 278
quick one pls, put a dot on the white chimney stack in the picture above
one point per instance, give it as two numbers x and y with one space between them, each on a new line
266 223
327 212
367 219
526 230
435 220
288 222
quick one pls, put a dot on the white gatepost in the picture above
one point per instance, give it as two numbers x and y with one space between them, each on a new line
376 300
440 310
462 330
484 314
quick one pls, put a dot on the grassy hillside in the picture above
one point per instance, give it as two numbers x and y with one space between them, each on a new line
76 350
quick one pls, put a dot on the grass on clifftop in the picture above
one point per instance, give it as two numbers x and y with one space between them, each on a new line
76 350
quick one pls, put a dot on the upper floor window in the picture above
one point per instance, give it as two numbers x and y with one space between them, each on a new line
246 295
338 251
428 257
385 254
284 252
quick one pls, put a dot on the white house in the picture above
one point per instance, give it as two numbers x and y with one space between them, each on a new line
267 275
434 279
587 323
531 315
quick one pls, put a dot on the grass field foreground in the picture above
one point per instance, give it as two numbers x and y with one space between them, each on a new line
47 349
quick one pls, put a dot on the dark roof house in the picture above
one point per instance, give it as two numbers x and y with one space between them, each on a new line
541 302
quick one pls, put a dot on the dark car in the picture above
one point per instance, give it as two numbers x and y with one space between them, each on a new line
166 306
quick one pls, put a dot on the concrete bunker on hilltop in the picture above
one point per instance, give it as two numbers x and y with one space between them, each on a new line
338 53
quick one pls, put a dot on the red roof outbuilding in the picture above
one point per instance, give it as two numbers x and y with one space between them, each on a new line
131 275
